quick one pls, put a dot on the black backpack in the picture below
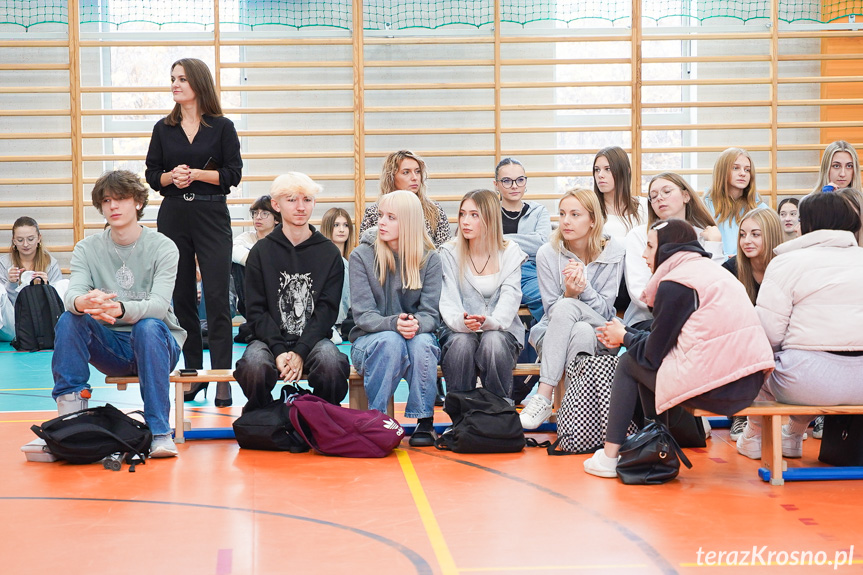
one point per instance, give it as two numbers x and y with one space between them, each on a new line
37 310
269 428
92 434
481 423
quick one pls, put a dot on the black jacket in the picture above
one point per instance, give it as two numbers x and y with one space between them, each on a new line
293 292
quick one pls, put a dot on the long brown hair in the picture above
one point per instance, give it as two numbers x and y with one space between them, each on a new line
328 222
41 259
725 207
488 206
771 236
696 212
388 183
201 81
624 201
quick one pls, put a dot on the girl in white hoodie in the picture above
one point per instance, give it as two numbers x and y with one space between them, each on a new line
579 275
481 292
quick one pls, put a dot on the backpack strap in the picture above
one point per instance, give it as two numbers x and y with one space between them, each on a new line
552 447
68 432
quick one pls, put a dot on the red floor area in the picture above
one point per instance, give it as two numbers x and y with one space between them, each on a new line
220 510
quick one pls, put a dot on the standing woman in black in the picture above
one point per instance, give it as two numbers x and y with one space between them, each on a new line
193 161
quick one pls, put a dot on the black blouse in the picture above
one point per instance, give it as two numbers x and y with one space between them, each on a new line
169 148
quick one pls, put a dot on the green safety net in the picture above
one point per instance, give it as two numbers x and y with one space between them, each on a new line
406 14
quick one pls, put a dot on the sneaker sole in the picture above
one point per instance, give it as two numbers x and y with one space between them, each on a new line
163 454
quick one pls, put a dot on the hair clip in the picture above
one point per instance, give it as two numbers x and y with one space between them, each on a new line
659 226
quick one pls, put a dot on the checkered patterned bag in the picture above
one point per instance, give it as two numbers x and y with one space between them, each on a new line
583 415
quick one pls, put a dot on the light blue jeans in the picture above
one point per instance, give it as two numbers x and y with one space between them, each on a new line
384 358
530 295
148 351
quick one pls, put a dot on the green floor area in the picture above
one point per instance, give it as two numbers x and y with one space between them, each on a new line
26 383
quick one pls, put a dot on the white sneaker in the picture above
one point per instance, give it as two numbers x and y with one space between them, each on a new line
737 425
72 402
600 464
792 444
163 446
536 412
749 446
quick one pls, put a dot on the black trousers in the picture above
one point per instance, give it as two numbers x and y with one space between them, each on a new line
631 381
201 229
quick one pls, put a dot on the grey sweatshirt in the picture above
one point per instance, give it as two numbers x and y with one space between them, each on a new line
603 280
153 263
460 294
534 228
377 307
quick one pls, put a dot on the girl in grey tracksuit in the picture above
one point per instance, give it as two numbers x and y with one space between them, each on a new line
481 334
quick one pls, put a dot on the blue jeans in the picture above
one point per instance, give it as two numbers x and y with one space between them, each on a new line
148 351
384 358
530 295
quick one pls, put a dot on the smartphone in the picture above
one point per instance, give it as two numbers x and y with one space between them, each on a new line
188 372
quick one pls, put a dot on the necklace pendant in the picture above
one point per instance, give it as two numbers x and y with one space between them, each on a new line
124 277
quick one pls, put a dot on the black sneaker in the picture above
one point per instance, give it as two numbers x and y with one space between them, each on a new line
424 434
818 428
737 425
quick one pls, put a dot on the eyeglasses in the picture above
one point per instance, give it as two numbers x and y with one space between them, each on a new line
662 194
22 241
262 214
510 183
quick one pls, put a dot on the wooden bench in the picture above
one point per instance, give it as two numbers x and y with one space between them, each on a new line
357 398
771 430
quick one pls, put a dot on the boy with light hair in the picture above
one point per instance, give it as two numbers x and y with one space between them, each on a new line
294 282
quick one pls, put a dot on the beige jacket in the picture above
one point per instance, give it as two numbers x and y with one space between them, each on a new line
812 294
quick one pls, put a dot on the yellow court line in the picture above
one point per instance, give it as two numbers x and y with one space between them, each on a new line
438 543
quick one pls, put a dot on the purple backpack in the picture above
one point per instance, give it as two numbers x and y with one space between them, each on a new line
335 430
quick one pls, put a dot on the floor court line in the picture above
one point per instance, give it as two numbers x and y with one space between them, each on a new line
441 550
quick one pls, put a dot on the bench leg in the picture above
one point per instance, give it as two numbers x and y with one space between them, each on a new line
771 448
357 399
179 419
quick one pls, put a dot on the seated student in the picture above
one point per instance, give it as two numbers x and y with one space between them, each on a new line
293 284
579 274
669 196
700 311
524 222
840 168
732 194
395 294
810 290
790 217
760 233
26 254
337 226
119 316
264 218
404 170
482 332
612 184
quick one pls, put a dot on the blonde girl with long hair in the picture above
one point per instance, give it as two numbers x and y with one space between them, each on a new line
732 194
669 196
760 232
395 276
482 333
26 254
579 270
405 170
840 168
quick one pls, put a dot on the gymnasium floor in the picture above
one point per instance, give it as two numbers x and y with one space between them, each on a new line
219 510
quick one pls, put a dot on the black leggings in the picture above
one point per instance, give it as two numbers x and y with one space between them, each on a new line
631 381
